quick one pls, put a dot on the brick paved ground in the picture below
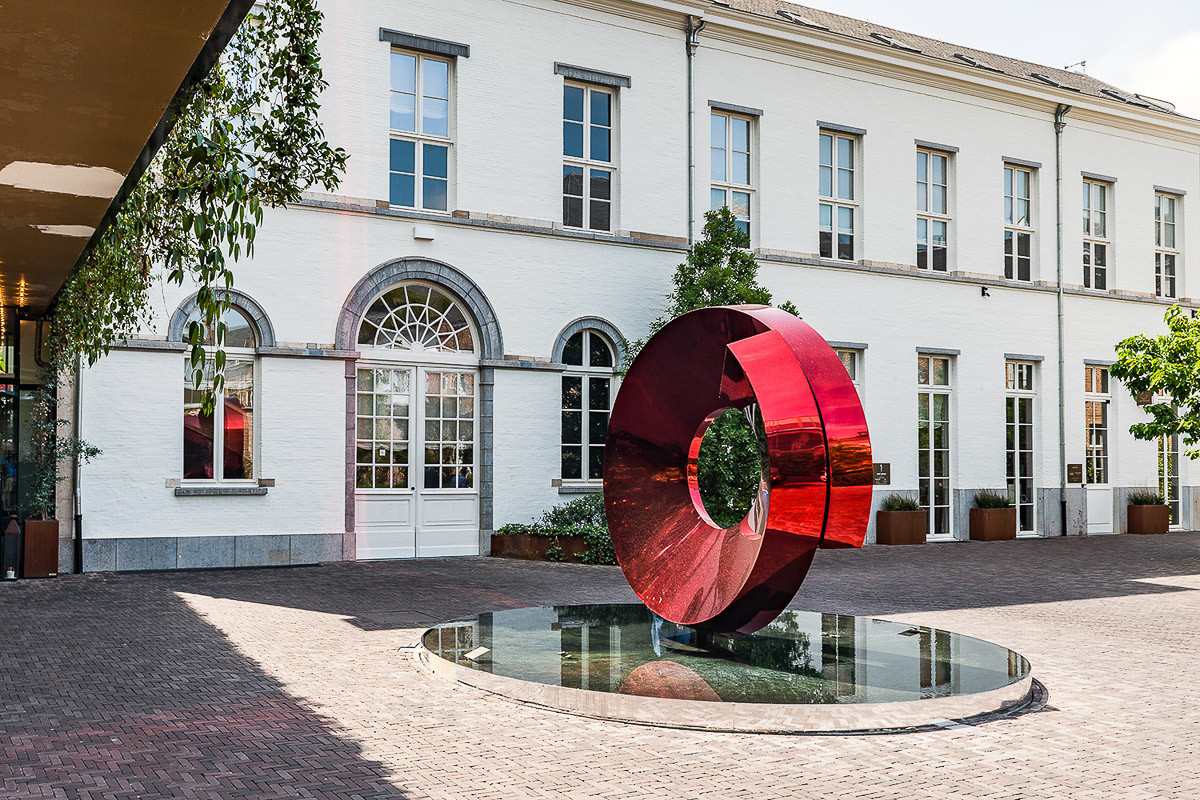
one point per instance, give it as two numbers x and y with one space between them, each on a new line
291 683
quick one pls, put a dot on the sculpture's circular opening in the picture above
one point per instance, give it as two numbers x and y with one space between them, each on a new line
731 465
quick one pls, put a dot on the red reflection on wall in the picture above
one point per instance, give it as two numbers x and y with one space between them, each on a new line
817 493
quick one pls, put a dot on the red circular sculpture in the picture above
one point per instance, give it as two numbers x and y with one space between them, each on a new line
683 566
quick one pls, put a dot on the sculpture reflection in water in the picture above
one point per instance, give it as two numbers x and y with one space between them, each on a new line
816 493
799 658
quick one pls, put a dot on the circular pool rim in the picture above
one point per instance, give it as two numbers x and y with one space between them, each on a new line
793 718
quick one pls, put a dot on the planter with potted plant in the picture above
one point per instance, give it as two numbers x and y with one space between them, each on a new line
48 448
901 520
993 518
1147 513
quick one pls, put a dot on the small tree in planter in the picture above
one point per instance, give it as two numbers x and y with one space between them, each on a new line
901 520
993 518
48 446
1147 513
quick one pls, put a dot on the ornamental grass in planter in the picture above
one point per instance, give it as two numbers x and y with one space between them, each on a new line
901 520
576 531
994 517
1147 513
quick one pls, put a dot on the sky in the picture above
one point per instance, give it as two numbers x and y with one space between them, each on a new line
1147 46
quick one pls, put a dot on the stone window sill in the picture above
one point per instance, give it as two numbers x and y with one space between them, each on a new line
581 489
220 491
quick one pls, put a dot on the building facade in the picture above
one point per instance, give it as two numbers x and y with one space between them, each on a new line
432 352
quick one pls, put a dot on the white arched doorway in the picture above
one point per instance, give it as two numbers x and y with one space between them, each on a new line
417 451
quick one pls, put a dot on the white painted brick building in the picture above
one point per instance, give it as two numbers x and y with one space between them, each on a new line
500 87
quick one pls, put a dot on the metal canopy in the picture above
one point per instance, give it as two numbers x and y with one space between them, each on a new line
83 92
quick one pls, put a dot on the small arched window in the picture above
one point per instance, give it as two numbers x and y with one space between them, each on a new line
239 330
587 395
219 446
417 317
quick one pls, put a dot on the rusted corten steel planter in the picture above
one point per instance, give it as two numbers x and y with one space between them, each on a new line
41 549
1149 519
993 524
901 527
532 547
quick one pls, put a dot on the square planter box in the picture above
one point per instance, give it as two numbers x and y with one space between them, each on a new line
901 527
993 524
41 548
1149 519
536 548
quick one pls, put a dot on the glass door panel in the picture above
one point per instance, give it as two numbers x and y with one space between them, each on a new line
933 459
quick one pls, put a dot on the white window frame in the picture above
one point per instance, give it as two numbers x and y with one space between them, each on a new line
419 137
1101 394
929 216
1014 229
947 390
1092 242
834 201
854 358
1169 479
1020 383
730 189
584 373
1164 251
233 355
587 163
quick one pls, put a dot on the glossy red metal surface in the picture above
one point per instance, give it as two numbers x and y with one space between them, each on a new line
817 493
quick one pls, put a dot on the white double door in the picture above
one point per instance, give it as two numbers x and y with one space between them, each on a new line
416 460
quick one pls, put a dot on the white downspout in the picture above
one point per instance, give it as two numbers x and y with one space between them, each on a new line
1060 122
694 26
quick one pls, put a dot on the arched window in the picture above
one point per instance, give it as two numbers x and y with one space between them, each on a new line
587 395
239 330
219 446
417 317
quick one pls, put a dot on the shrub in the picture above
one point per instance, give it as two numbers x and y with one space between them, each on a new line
1145 497
900 502
583 516
990 499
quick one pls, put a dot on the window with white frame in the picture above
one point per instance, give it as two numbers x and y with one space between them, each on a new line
934 389
1096 244
852 361
419 159
1166 245
218 443
837 207
730 157
1018 223
1019 420
1097 397
933 210
1168 475
587 393
589 172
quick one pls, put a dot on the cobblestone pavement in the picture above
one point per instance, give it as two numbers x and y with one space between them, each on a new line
291 683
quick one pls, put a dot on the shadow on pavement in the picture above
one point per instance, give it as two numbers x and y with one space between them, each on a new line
113 688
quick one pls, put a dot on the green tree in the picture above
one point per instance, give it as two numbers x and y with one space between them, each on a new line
1166 366
720 270
244 138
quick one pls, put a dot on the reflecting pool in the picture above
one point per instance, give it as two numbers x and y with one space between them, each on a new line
800 658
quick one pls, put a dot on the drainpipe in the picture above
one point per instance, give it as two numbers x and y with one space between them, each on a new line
78 493
1060 122
694 26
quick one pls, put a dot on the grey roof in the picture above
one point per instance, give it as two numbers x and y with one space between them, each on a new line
862 30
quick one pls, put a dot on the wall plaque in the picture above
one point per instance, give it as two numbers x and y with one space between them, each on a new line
883 474
1074 473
